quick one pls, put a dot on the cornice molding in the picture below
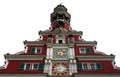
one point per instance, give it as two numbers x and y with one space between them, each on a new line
65 33
112 74
40 43
24 57
95 57
70 45
86 43
18 75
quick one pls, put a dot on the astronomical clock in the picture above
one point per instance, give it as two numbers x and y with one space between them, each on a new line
60 69
60 53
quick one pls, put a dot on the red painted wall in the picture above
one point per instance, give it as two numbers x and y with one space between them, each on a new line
14 64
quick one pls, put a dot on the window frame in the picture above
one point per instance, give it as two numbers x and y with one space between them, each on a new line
85 66
36 66
82 50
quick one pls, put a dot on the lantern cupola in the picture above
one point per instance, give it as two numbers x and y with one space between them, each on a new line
60 18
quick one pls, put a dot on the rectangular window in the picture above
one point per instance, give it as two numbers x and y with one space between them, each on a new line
93 66
84 50
32 50
37 50
79 66
35 66
99 66
85 66
21 66
28 67
41 66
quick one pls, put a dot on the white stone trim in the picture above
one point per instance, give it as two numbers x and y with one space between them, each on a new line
23 75
70 69
71 53
7 62
113 64
47 68
87 44
24 57
51 53
26 49
50 73
96 75
95 57
48 53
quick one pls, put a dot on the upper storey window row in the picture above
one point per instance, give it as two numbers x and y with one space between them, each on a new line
60 39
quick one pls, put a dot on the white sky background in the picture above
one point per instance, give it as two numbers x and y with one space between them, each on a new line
22 19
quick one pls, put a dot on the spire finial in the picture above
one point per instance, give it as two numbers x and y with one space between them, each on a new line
61 3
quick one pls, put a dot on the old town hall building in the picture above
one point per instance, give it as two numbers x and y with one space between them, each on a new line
60 52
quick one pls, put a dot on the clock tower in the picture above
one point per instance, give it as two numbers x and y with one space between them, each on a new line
60 58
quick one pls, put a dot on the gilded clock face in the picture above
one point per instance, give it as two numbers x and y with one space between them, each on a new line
60 53
60 69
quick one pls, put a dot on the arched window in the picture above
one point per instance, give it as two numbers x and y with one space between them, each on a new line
70 39
49 39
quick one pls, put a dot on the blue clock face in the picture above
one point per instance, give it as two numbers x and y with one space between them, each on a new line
60 53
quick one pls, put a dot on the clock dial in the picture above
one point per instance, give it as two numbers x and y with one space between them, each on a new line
60 53
60 69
